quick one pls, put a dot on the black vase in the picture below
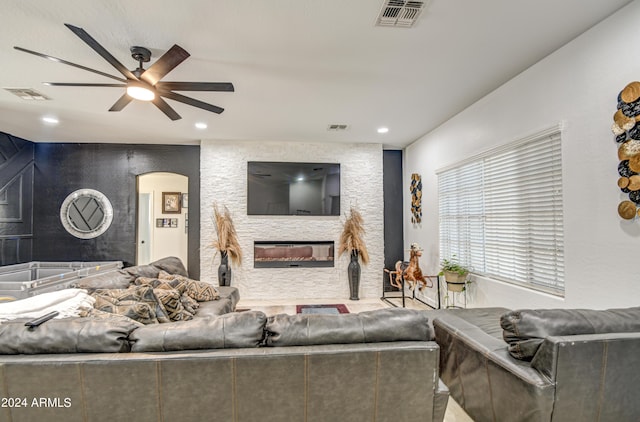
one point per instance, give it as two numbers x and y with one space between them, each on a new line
353 271
224 270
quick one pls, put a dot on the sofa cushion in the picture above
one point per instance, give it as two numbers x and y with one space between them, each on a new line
525 330
67 335
118 279
391 324
234 330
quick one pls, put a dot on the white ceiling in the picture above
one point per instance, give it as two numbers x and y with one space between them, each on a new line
297 65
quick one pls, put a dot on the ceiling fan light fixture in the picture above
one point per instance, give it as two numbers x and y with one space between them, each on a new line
140 92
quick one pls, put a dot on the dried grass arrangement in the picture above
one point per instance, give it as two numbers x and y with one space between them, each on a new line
227 238
352 237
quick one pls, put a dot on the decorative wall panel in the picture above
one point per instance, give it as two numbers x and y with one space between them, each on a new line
16 199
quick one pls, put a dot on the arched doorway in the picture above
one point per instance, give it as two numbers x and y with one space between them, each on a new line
163 220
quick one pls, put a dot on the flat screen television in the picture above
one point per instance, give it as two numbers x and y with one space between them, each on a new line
285 188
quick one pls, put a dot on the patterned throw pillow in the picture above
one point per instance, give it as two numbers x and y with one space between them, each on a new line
198 290
161 284
109 316
172 304
140 294
138 311
189 303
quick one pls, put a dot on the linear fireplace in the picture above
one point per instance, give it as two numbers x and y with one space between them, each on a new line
291 254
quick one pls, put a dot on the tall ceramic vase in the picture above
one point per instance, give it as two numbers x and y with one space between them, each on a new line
353 271
224 270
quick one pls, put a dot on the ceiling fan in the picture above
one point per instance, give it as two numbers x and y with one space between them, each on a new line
143 84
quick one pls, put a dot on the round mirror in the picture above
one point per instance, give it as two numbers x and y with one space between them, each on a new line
86 213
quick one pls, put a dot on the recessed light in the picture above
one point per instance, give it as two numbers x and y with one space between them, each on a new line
50 120
201 125
383 129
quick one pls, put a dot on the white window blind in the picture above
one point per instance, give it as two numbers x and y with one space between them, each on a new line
501 213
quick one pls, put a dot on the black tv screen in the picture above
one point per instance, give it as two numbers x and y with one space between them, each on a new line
283 188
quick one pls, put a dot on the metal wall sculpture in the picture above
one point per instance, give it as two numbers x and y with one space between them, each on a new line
416 198
626 127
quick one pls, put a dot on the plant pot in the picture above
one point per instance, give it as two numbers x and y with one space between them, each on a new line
224 270
455 281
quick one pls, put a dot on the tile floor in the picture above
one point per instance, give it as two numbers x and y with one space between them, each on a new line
454 412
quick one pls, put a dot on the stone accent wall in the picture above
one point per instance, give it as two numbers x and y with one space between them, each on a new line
223 175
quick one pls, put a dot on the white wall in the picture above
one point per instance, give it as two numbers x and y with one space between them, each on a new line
166 241
223 173
576 87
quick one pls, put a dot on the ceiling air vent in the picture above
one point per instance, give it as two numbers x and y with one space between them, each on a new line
28 94
337 128
400 13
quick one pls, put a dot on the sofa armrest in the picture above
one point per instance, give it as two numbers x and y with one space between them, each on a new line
594 374
484 379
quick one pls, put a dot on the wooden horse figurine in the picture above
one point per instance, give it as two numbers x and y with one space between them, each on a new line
410 271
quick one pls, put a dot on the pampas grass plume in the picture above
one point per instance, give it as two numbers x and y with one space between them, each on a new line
227 238
352 237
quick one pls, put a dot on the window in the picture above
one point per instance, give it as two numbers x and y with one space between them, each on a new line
501 213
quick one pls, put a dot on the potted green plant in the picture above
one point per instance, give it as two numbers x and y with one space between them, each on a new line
455 274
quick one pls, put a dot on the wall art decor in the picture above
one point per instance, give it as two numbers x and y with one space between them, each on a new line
626 128
171 202
416 198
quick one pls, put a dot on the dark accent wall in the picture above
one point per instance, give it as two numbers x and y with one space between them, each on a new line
111 169
393 215
16 199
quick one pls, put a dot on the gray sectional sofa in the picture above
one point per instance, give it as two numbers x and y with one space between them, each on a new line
222 366
542 365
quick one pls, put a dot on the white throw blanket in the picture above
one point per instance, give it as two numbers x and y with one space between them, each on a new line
68 302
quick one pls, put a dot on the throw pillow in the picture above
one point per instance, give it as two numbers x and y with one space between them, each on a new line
198 290
109 316
137 311
143 294
172 304
161 284
170 264
189 303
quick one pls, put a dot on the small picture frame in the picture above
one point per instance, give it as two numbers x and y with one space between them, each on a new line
185 200
171 202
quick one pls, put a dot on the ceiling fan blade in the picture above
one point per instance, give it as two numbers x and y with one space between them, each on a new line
121 103
88 39
83 84
165 64
192 102
56 59
166 108
196 86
